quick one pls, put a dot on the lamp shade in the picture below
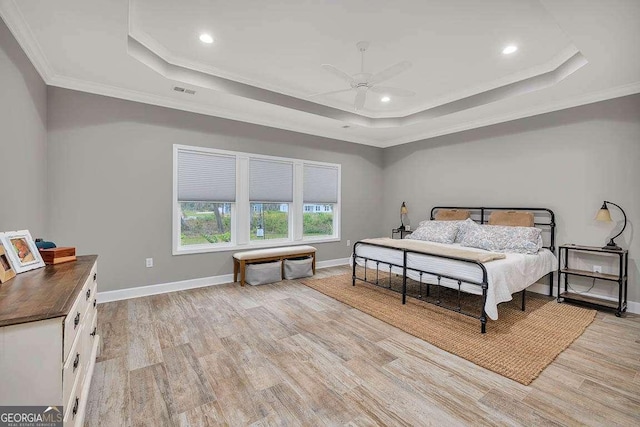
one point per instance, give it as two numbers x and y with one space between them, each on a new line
603 214
403 209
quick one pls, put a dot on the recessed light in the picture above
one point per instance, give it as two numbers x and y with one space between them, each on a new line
509 49
385 99
206 38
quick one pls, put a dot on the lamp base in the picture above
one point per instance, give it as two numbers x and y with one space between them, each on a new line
611 246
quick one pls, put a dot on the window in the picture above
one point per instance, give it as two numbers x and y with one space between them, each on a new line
320 195
227 200
206 192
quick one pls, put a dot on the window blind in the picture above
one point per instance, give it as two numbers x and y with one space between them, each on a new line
270 181
204 177
320 184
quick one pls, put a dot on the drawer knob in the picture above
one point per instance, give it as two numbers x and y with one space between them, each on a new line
76 362
76 321
95 301
93 334
75 407
95 276
88 293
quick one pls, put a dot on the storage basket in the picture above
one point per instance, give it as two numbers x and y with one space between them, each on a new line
263 273
296 268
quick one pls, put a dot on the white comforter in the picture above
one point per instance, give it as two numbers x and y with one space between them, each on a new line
505 276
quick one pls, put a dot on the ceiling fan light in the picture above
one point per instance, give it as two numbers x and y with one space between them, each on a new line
206 38
385 99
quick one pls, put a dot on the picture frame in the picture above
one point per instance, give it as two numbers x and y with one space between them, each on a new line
21 251
6 270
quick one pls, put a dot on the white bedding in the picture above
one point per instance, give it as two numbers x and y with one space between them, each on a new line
505 276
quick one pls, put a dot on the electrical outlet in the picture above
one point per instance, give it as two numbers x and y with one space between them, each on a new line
348 242
597 269
149 262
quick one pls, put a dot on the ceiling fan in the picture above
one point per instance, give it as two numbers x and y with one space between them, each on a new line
364 82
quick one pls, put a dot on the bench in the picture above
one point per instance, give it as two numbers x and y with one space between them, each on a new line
241 259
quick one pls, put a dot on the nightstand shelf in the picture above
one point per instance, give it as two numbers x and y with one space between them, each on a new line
620 306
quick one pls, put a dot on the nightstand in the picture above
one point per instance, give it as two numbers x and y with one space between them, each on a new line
402 233
619 306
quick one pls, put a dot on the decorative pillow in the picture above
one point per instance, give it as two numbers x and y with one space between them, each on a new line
463 226
436 231
452 215
512 218
498 238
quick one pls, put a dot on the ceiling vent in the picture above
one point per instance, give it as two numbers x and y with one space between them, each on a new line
181 89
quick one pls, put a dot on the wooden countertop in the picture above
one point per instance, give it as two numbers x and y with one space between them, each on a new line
44 293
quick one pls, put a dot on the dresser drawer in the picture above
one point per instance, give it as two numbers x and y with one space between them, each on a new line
74 405
73 366
72 324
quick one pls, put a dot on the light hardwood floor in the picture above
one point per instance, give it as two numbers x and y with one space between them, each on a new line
285 354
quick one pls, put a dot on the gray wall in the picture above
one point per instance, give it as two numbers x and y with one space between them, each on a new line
110 183
569 161
23 139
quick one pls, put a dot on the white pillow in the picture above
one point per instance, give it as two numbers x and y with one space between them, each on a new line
500 238
436 231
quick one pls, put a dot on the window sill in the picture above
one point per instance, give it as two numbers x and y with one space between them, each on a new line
253 245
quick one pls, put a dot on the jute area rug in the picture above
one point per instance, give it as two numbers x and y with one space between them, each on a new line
519 345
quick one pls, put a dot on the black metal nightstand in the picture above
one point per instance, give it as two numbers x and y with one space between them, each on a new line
619 306
403 233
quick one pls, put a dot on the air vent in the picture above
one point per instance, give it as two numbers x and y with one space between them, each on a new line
187 91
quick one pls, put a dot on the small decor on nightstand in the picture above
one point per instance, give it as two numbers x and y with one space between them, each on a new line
404 217
605 215
619 306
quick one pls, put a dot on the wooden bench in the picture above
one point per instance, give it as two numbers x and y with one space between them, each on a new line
241 259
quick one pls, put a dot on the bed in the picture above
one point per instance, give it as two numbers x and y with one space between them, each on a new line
466 270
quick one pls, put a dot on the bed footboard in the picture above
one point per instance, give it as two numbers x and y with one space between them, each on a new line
403 268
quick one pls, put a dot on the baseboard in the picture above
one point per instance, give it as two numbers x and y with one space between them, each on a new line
163 288
542 288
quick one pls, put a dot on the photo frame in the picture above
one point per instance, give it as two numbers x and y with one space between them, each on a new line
6 270
21 251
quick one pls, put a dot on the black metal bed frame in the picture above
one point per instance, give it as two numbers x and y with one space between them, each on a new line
478 214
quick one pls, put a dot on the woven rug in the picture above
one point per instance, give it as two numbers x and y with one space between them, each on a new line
519 345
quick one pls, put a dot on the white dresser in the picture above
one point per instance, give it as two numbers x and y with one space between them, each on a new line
48 340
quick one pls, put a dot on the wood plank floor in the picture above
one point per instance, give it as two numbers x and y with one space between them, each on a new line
285 354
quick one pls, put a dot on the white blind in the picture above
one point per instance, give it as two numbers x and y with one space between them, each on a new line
270 181
206 177
320 184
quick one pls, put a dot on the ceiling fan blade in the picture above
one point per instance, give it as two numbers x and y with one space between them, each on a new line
361 97
395 91
338 73
390 72
330 93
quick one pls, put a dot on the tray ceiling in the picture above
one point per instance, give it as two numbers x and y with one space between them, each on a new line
264 65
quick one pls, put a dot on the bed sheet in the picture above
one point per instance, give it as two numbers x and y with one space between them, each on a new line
505 276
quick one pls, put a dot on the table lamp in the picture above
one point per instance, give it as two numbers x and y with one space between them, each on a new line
605 215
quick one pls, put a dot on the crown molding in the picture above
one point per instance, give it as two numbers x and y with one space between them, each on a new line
18 26
161 101
590 98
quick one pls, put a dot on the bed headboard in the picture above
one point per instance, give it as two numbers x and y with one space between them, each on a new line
543 218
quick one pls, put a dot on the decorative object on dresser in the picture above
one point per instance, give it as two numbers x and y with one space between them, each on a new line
620 306
6 271
48 340
605 215
58 255
404 217
21 250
